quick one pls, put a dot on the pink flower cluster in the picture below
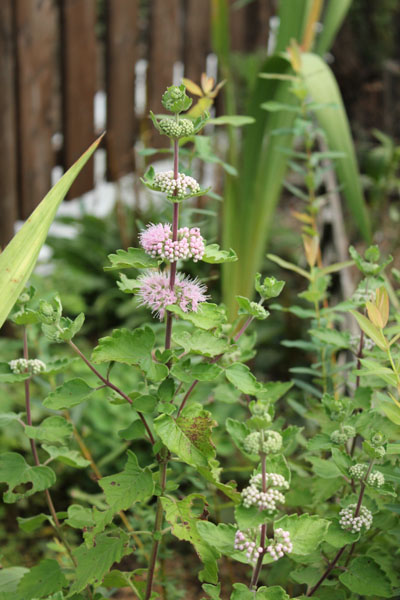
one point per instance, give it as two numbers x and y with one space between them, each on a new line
155 292
280 545
276 547
156 240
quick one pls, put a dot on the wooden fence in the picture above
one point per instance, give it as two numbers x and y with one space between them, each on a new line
55 55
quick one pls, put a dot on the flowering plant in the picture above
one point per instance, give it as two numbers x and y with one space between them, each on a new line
312 512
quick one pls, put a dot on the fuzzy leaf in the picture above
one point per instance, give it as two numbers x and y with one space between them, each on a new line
213 255
79 516
201 342
233 120
338 537
186 372
365 577
94 563
373 332
331 337
9 580
14 471
253 309
69 394
188 437
306 532
184 527
30 524
208 315
222 538
133 258
72 458
125 346
52 429
242 378
133 484
43 579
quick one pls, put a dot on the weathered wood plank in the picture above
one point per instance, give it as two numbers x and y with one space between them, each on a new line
165 48
197 42
35 22
121 56
78 21
8 143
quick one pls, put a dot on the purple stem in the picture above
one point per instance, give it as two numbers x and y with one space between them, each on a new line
172 275
263 534
110 385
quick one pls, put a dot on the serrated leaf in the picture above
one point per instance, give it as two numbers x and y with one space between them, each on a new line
125 346
14 471
213 255
133 258
69 394
306 532
18 259
184 527
94 563
201 342
253 309
134 431
242 378
133 484
10 417
326 469
79 516
43 579
208 315
338 537
222 538
52 429
72 458
365 577
186 372
188 437
9 580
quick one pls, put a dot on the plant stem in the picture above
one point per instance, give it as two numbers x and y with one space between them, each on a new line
49 500
110 385
339 554
172 275
157 531
263 534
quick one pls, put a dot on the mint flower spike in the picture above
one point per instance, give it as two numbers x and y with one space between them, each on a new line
34 366
157 241
175 99
155 293
354 524
181 188
268 443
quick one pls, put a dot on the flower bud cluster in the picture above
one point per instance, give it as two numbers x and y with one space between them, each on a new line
280 545
175 129
22 365
183 186
358 471
341 436
268 500
267 442
156 240
277 546
376 479
354 524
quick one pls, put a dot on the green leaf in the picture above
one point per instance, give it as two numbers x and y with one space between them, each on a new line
238 432
242 592
201 342
213 255
14 471
213 591
133 484
338 537
7 376
222 538
145 403
10 417
186 372
242 378
30 524
184 527
134 431
290 266
79 517
331 336
125 346
271 593
324 468
188 437
274 106
52 429
133 258
233 120
365 577
94 563
19 257
43 579
72 458
373 332
334 14
323 88
69 394
253 309
9 580
306 532
208 315
269 288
